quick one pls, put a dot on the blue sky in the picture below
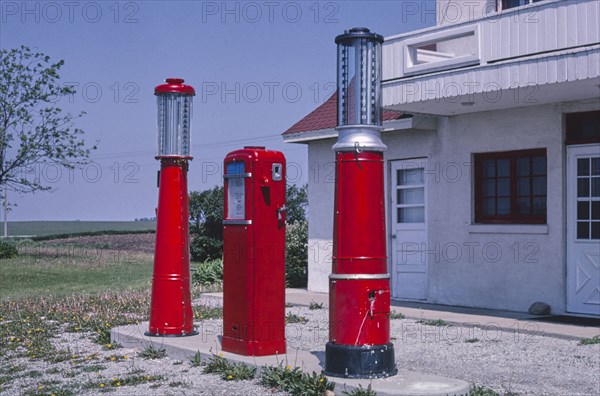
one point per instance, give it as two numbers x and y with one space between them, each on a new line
258 67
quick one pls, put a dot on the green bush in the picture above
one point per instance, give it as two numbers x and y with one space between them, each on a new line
209 273
8 250
296 254
204 247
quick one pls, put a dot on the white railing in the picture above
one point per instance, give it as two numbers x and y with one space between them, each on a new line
510 34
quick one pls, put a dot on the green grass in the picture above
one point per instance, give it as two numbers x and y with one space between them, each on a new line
42 275
39 228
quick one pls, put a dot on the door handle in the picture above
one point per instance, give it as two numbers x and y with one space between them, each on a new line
280 212
393 236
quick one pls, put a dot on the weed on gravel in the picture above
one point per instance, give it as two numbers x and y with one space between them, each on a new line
360 391
294 381
229 371
153 353
590 341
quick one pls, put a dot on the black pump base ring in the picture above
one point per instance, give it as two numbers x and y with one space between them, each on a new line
356 361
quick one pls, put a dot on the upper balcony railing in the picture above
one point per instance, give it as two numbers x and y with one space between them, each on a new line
537 29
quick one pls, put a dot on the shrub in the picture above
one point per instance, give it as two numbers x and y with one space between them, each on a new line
296 254
8 250
205 247
209 273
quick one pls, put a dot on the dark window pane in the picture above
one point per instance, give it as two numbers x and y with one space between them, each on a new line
489 188
524 206
506 4
538 165
523 187
539 185
596 210
583 210
489 207
523 168
503 168
539 206
583 230
583 167
503 206
596 187
489 168
503 187
583 187
596 166
583 127
596 230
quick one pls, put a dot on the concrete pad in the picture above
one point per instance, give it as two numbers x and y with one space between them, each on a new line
183 348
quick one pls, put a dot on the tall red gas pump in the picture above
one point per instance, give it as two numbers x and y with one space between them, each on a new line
359 286
254 252
171 308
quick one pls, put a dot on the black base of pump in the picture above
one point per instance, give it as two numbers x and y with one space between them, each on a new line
355 361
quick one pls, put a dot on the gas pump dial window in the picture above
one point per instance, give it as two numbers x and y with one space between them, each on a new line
277 172
236 192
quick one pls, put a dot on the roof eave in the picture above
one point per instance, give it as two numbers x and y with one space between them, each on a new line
416 122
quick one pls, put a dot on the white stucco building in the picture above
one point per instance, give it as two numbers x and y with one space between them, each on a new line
493 160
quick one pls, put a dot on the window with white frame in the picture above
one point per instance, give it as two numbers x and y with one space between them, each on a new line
506 4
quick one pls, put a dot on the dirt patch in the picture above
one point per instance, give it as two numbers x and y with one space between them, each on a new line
142 243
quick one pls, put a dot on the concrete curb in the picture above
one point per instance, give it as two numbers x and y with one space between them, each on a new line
405 383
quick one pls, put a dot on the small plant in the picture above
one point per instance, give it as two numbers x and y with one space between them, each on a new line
196 360
209 273
314 305
103 336
294 381
311 384
478 390
397 315
112 345
279 377
204 312
293 318
437 322
360 391
590 341
229 371
93 368
472 340
153 353
8 250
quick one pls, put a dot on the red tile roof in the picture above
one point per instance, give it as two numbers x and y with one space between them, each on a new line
325 117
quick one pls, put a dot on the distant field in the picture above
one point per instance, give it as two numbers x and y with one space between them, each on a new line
38 228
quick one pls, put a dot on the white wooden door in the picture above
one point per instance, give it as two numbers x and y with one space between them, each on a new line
408 229
583 229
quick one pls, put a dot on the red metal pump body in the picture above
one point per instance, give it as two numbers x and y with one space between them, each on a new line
254 252
362 304
171 308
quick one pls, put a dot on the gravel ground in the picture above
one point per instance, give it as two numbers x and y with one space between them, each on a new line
516 362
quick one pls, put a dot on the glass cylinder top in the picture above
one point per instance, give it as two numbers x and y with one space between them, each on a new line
174 100
359 77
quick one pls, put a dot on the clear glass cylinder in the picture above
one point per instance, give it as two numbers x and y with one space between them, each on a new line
174 119
359 80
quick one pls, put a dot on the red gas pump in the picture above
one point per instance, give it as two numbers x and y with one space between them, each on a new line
254 252
359 287
171 306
